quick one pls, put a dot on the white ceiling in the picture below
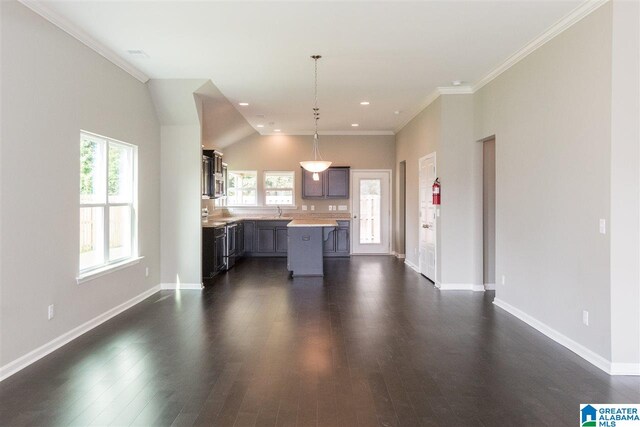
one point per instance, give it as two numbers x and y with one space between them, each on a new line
392 54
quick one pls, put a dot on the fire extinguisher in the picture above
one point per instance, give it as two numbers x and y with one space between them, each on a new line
435 191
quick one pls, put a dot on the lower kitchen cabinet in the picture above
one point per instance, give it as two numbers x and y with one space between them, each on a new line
336 240
213 247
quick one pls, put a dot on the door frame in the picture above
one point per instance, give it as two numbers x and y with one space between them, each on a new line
389 173
419 224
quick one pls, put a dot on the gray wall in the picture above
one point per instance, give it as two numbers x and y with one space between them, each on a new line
52 87
551 114
418 138
285 152
625 184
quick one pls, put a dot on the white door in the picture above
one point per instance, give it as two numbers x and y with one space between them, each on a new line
427 224
371 209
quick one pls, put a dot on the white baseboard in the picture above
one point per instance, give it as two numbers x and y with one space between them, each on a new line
412 265
400 256
181 286
582 351
40 352
460 287
489 286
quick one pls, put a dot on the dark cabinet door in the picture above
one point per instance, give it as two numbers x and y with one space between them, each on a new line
328 240
337 183
312 189
342 240
281 240
249 234
266 239
208 253
240 240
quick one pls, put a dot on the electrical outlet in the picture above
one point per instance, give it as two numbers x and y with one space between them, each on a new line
504 279
437 212
313 208
603 226
146 272
330 207
50 312
304 207
342 207
585 317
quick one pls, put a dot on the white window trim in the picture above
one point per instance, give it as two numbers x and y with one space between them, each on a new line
292 189
117 264
229 172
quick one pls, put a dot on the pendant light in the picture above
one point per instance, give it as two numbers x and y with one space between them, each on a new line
317 164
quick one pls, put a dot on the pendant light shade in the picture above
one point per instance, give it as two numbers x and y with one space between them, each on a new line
317 164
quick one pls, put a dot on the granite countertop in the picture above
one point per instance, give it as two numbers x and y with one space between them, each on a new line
311 222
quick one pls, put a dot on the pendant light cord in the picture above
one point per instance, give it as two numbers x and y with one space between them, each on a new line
316 110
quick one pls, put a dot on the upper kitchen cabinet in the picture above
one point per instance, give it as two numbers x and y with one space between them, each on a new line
213 175
333 184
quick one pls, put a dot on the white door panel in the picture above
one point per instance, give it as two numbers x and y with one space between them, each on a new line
371 233
427 219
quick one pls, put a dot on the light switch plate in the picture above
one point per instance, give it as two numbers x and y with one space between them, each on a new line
304 207
330 207
313 208
603 226
585 317
342 207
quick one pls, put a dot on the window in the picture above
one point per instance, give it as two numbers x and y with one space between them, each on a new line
279 188
107 202
242 188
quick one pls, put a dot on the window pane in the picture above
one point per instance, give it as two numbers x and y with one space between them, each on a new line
278 180
279 197
120 173
241 197
91 237
92 170
119 232
370 211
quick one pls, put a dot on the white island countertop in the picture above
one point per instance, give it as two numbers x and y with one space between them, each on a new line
311 222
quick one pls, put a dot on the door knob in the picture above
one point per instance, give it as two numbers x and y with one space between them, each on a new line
355 216
425 226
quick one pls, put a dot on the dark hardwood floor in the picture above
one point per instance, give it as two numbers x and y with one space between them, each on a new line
371 344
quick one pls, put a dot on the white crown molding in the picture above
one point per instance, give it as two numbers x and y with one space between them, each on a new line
582 351
556 29
73 30
332 133
40 352
572 18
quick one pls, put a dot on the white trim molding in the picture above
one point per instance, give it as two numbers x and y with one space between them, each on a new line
412 266
82 36
460 287
181 286
556 29
582 351
40 352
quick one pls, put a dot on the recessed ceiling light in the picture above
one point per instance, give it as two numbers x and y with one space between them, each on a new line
364 103
397 112
456 82
355 125
276 130
259 126
243 104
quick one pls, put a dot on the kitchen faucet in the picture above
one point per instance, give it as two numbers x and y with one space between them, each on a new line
279 211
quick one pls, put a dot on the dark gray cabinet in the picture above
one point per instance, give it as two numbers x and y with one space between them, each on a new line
213 245
336 240
266 238
333 184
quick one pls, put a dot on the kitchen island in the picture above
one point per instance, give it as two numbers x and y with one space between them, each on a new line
305 241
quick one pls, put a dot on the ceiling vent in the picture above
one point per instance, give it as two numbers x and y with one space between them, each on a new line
136 53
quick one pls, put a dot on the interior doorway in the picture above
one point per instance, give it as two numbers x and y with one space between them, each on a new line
427 218
489 212
371 209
